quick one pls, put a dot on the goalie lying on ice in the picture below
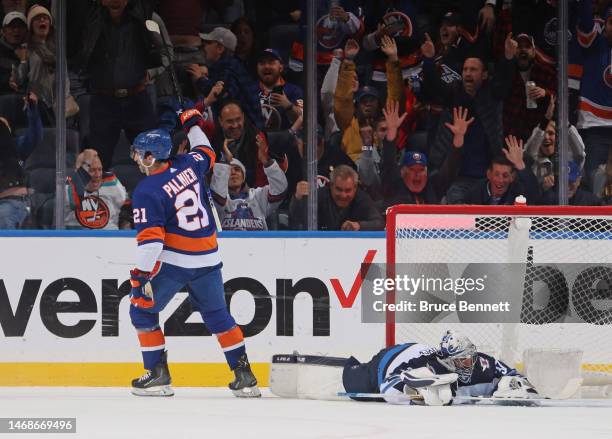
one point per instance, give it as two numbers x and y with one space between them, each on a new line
432 375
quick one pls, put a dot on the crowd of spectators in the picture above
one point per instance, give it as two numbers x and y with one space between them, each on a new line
419 102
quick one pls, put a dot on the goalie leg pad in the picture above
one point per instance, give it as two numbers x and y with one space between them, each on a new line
307 377
555 373
283 376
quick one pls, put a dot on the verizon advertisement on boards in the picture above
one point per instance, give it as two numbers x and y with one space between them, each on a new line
65 300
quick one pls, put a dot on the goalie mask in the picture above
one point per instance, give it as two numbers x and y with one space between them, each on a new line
458 354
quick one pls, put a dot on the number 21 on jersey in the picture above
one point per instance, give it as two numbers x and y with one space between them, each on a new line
190 212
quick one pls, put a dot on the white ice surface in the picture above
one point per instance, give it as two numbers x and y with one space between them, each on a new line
213 413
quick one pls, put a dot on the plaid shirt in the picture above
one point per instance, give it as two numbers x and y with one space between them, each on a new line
518 119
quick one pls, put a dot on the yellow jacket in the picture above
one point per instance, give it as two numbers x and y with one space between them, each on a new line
344 107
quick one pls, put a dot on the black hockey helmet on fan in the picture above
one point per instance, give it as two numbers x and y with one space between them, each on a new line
458 354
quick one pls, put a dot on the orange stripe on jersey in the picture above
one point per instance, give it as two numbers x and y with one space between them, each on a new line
574 70
231 337
75 195
297 52
599 112
586 40
151 339
184 243
209 152
151 233
163 168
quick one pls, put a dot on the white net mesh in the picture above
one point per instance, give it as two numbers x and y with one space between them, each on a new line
540 241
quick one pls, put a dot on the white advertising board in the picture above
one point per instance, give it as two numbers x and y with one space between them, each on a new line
64 299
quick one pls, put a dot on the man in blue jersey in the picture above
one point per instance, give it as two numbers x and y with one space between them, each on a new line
177 248
592 53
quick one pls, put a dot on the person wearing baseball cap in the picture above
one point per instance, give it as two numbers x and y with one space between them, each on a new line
410 182
367 92
525 54
449 33
455 45
14 34
227 73
533 84
12 16
225 39
284 98
270 53
575 194
367 103
526 38
414 173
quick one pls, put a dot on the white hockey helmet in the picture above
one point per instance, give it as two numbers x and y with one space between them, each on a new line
458 354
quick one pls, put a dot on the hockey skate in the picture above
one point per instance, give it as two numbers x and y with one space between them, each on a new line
155 382
245 384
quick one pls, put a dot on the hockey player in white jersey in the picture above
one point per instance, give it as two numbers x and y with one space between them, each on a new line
409 373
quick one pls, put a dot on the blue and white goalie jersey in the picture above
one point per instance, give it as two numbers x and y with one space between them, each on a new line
482 381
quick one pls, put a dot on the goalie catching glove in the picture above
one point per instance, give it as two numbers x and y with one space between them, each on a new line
434 389
515 387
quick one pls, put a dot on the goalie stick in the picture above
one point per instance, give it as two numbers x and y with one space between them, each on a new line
378 396
478 400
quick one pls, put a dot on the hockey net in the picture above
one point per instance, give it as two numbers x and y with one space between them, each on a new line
539 238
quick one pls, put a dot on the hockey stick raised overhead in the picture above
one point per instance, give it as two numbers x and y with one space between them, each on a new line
160 41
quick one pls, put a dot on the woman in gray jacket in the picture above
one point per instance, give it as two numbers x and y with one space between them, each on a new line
36 71
541 147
